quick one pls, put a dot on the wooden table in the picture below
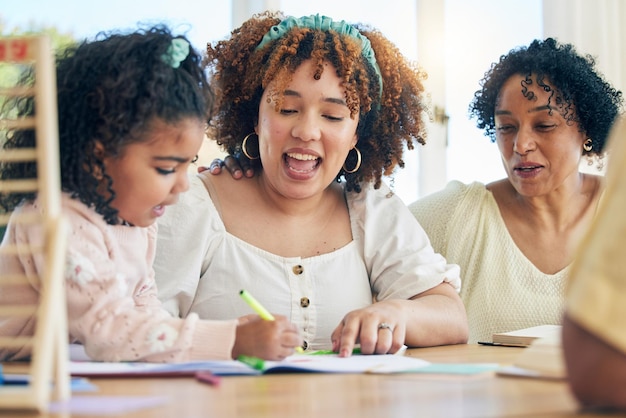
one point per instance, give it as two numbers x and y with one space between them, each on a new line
362 396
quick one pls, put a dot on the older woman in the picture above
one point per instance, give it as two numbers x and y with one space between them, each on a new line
546 107
323 109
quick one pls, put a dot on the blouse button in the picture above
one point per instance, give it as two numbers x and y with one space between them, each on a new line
304 302
298 269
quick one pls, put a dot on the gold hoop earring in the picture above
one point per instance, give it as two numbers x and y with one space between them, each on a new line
243 146
358 162
588 145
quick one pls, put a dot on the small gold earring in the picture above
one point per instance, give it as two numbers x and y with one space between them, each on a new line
588 145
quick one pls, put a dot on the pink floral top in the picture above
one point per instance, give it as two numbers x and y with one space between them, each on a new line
112 303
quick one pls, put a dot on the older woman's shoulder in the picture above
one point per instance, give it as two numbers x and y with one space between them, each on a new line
454 191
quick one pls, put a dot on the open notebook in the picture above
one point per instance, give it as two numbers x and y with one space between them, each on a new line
298 363
81 365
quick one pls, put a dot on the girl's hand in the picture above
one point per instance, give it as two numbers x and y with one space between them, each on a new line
237 166
379 328
268 340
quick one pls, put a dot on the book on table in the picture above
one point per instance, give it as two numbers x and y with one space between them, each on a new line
386 363
524 337
81 365
542 359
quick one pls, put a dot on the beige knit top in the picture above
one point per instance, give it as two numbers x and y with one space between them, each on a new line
502 290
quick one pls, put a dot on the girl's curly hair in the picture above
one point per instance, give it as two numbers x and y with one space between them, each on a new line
109 91
387 123
580 93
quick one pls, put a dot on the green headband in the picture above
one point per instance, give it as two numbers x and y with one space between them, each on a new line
324 23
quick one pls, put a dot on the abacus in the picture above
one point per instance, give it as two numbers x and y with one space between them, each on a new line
46 375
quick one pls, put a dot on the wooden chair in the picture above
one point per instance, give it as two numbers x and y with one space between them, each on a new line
47 368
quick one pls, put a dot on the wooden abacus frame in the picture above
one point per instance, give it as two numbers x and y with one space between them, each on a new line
47 369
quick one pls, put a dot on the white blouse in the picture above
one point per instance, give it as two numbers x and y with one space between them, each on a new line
201 268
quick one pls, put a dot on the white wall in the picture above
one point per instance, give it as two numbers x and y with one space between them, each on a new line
478 33
595 27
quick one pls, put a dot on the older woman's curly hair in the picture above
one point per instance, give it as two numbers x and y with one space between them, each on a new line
109 91
579 92
240 73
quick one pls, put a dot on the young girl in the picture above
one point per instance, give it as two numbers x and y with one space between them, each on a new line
132 112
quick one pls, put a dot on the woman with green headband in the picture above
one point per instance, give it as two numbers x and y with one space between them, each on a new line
324 109
548 108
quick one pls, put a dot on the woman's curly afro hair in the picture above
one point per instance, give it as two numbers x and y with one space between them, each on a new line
582 94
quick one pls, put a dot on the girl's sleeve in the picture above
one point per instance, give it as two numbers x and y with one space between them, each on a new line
112 302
